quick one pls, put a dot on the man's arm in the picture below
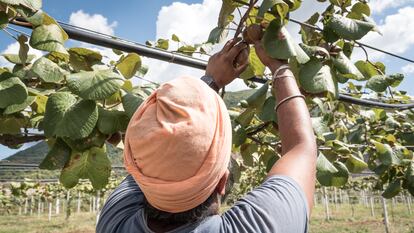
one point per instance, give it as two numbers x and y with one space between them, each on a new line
299 151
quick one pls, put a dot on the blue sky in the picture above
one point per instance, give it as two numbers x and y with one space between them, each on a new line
192 20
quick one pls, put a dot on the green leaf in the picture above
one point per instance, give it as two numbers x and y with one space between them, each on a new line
142 70
175 38
95 85
92 164
57 156
19 107
268 110
255 68
320 126
66 117
359 9
346 67
367 69
32 4
4 19
316 78
385 154
392 189
48 71
15 59
356 164
11 125
129 65
278 43
350 29
377 83
217 35
187 49
315 51
267 4
41 18
395 79
111 121
95 139
247 151
245 117
257 99
48 38
239 136
131 102
226 10
83 59
162 44
12 91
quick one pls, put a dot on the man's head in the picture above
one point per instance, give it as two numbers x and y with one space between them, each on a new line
178 144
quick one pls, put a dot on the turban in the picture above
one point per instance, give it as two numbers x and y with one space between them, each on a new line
178 144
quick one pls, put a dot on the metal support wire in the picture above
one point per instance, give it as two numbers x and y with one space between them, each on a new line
100 39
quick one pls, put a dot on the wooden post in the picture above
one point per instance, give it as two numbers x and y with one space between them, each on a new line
26 205
94 204
68 201
90 204
371 201
326 202
385 213
39 201
31 204
98 200
408 202
335 199
57 207
50 210
79 203
43 207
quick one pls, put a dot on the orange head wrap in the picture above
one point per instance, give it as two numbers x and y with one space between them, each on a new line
178 144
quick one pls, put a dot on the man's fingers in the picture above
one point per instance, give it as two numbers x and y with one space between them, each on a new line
236 50
230 44
241 68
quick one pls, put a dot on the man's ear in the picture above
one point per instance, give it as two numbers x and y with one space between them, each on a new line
221 186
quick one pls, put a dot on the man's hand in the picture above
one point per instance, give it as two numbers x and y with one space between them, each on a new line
221 65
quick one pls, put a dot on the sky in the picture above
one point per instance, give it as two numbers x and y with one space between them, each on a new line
192 21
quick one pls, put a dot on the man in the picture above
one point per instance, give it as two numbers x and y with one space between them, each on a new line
177 149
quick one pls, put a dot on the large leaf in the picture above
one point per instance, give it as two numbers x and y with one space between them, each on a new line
356 164
255 68
12 91
385 154
392 189
111 121
95 139
131 102
11 125
129 65
95 85
66 117
19 107
247 151
83 59
57 156
282 7
346 67
48 38
278 43
257 99
350 29
378 83
316 78
41 18
15 58
268 110
48 71
217 35
367 69
92 164
32 4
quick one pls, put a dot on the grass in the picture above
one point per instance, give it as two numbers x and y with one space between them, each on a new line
342 220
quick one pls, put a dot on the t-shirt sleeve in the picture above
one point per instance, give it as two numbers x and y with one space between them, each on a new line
278 205
119 214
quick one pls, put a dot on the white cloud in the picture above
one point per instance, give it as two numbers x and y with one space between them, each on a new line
398 36
408 69
378 6
14 49
95 22
192 23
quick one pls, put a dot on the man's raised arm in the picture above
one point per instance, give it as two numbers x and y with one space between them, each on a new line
299 151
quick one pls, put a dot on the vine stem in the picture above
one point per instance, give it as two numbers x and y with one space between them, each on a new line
243 19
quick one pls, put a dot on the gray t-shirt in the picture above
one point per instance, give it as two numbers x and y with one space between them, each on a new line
278 205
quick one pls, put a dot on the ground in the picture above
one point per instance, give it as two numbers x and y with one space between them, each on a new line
342 221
